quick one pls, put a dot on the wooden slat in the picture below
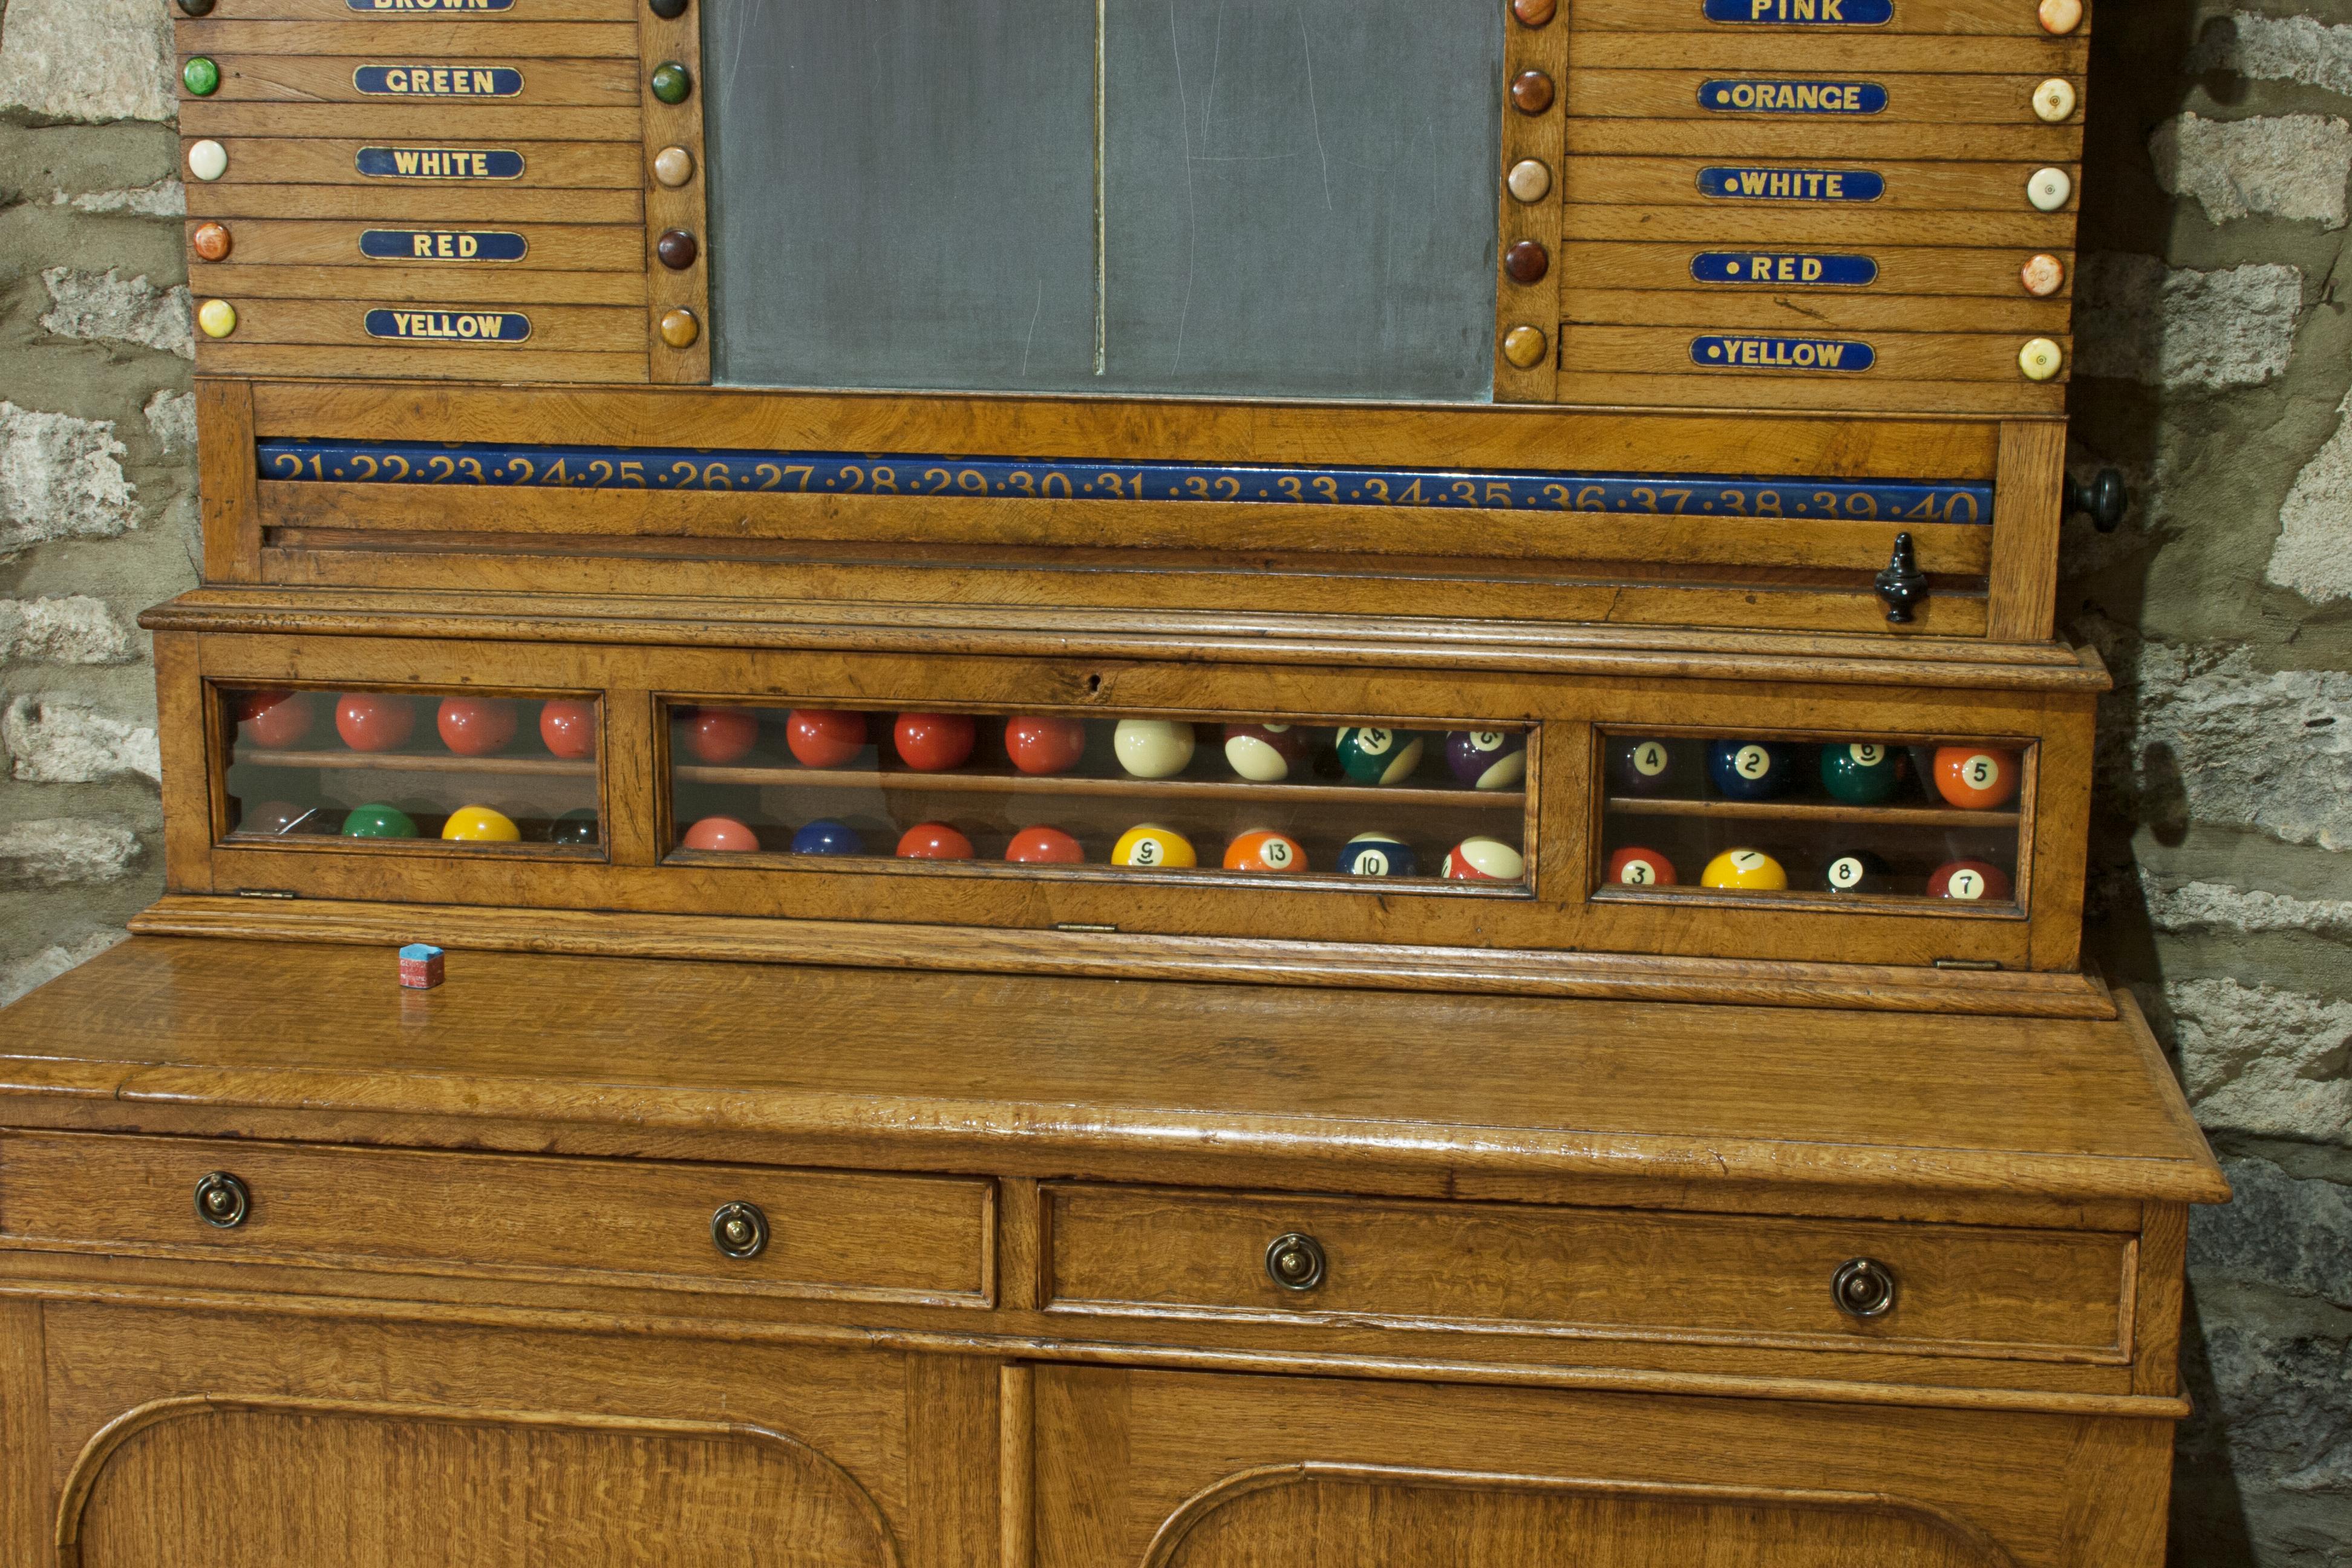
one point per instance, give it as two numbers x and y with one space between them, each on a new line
1831 52
298 79
2029 503
389 206
273 243
421 37
679 39
1911 99
1818 225
554 329
379 119
1728 139
1793 309
286 360
1973 18
1870 397
416 286
1911 187
231 518
523 11
1902 356
1538 137
1911 270
334 161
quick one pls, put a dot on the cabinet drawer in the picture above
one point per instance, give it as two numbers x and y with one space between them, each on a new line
603 1221
1512 1269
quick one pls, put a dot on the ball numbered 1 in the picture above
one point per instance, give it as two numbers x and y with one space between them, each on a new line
1377 854
1642 766
1265 753
1749 868
1484 859
1634 867
1750 770
1374 755
1861 773
1857 871
1264 849
1976 778
1971 882
1152 748
1152 848
1487 758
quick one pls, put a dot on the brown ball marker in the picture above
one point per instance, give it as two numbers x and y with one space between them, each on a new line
210 242
676 249
1527 262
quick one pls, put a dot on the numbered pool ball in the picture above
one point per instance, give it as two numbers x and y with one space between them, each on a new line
1634 867
1487 758
1152 748
1750 770
1975 778
1374 755
827 837
718 735
1972 881
1153 848
573 827
568 728
1267 753
823 737
1744 868
1044 744
275 720
1484 860
1377 854
933 841
720 833
480 825
377 820
1642 766
934 743
374 720
1857 871
1045 846
1861 773
475 726
1262 849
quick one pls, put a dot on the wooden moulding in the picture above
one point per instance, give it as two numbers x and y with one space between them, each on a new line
1538 137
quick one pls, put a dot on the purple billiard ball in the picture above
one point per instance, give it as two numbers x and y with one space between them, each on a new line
1640 765
1488 758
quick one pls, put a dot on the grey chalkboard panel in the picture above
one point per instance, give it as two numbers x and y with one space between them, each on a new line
1296 197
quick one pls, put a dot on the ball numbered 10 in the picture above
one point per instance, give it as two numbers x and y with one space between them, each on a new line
1377 854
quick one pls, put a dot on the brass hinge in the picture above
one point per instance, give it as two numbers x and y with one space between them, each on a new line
1976 963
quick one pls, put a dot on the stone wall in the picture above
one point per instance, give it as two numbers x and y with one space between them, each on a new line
2214 363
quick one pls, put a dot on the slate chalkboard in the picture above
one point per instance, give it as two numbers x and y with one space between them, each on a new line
1296 197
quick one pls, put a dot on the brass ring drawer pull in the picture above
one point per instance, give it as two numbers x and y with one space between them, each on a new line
740 1230
1863 1287
1295 1261
222 1200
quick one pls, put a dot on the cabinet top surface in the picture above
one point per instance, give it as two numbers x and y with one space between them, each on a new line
2059 1108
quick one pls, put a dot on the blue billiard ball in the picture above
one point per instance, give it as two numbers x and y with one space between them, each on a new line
826 837
1377 855
1751 770
1642 766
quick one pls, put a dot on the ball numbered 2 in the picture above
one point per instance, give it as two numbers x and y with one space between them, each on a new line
1377 854
1635 866
1372 754
1976 778
1750 770
1749 868
1151 848
1971 882
1262 849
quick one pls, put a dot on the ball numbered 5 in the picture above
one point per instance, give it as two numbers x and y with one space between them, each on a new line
1370 754
1262 849
1750 770
1377 854
1487 758
1976 778
1152 848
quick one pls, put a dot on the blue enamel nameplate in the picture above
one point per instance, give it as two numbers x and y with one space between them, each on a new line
459 7
442 245
1772 351
449 326
1776 266
438 81
439 163
1791 12
1750 96
1066 478
1791 185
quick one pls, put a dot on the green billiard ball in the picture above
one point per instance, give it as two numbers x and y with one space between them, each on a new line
574 828
201 75
378 821
672 81
1861 774
1370 754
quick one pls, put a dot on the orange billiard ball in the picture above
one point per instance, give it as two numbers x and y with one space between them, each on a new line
933 841
720 833
1976 778
934 743
274 720
374 720
1634 867
1044 744
718 735
1045 846
825 737
569 727
1262 849
475 726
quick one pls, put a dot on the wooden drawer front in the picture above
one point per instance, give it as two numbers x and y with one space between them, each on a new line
832 1232
1509 1268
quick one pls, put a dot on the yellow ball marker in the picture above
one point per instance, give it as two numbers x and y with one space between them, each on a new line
217 318
480 825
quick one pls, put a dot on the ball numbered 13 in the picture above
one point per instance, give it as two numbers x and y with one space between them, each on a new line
1634 867
1377 854
1374 755
1487 758
1264 849
1750 770
1152 848
1750 868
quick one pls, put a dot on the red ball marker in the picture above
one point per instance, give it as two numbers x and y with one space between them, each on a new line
1045 846
718 735
274 720
374 720
1044 745
475 726
933 841
825 737
934 743
720 833
569 727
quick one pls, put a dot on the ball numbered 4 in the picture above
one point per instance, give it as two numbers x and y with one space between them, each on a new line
1377 854
1262 849
1152 848
1152 748
1750 770
1642 766
480 825
1635 866
1267 753
1861 773
1749 868
1372 754
1976 778
823 737
1971 882
1484 859
1487 758
1857 871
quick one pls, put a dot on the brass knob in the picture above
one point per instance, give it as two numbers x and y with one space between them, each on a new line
222 1200
1295 1261
740 1230
1863 1287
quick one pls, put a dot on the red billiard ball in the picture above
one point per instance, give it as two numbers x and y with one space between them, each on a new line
1044 745
720 833
569 727
1044 846
934 743
475 726
1267 753
933 841
1634 867
374 720
1974 882
825 737
274 720
719 734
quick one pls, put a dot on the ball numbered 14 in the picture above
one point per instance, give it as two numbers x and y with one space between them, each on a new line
1372 754
1152 848
1483 859
1487 758
1635 866
1750 770
1750 868
1377 854
1971 882
1264 849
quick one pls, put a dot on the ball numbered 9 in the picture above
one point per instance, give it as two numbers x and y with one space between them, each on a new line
1750 770
1377 854
1374 755
1487 758
1148 847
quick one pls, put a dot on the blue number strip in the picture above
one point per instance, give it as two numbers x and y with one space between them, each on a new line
851 473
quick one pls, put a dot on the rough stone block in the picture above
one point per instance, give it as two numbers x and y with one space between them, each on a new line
2285 166
87 60
2138 319
54 740
59 478
40 968
2276 1230
2276 49
2243 911
106 307
171 416
2283 1406
59 850
73 629
167 197
2259 1060
2314 553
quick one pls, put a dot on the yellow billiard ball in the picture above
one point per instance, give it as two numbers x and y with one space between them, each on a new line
480 825
1152 848
1744 868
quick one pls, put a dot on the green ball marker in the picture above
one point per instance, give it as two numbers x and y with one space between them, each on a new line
672 81
1862 773
201 75
1373 755
378 822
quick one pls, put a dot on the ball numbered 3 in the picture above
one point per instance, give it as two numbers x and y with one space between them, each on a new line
1750 868
1152 848
1262 849
1265 753
1750 770
1484 859
1976 778
1642 766
1487 758
1635 866
1377 854
1372 754
1971 882
1152 748
1860 773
